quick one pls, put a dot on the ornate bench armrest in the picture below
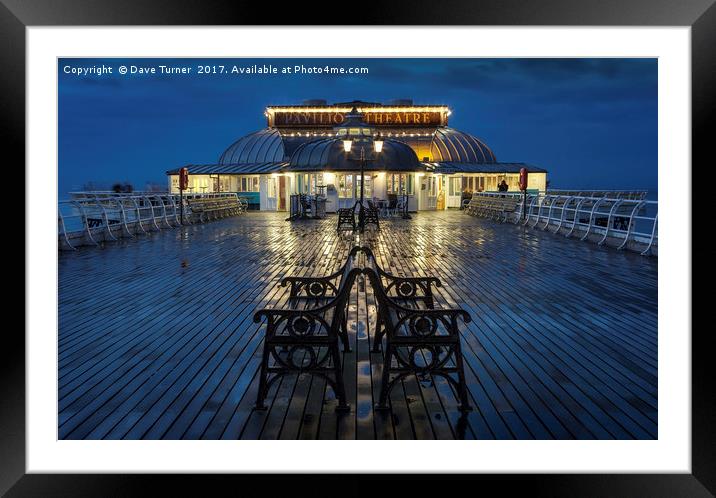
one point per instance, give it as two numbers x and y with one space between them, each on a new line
412 287
313 287
293 323
276 315
426 325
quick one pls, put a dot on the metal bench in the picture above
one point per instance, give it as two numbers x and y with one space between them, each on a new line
404 290
215 207
346 216
421 341
502 208
493 207
371 216
303 337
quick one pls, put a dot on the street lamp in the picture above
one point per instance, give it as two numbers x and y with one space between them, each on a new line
357 137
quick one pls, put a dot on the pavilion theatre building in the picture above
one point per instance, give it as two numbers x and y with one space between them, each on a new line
300 151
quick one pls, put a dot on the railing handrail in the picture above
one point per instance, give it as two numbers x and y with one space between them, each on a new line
604 216
110 214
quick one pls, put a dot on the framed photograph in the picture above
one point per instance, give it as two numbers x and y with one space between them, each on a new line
249 245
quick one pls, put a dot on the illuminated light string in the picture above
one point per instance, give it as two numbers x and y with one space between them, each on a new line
299 109
390 134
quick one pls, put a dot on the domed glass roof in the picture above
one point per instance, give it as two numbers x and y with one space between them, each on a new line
306 151
263 146
328 154
456 146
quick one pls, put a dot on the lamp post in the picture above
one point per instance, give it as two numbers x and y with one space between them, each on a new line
183 184
406 215
356 134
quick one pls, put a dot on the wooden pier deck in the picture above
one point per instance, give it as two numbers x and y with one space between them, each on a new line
157 341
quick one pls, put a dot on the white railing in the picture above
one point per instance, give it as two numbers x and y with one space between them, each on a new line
89 218
612 194
621 222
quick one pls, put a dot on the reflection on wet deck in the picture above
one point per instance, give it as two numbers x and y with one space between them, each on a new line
157 340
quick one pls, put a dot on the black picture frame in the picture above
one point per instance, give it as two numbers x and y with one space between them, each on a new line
700 15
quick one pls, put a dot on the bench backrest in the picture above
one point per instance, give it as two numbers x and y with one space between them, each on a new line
311 318
413 324
340 302
406 290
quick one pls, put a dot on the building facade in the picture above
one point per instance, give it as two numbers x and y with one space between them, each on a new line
423 159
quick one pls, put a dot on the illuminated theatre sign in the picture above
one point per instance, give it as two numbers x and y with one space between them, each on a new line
381 116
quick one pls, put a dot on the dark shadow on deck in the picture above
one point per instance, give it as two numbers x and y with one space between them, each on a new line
156 335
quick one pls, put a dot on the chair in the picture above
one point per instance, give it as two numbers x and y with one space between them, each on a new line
399 207
392 203
306 208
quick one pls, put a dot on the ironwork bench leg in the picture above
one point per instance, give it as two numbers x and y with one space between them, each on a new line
261 396
378 335
385 382
343 332
462 385
338 371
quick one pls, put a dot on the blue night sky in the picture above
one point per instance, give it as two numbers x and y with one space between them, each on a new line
592 123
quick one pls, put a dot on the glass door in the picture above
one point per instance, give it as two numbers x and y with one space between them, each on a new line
367 190
454 193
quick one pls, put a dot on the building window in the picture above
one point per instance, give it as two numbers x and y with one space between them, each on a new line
491 184
368 189
513 181
200 184
399 183
345 186
473 184
307 183
431 186
249 183
455 185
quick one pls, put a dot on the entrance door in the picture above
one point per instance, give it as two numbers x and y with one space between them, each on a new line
428 194
440 192
282 193
454 193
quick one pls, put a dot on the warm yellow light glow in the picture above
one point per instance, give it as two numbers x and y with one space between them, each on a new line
347 145
433 108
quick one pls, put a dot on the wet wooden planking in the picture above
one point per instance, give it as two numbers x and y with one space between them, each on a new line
157 339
